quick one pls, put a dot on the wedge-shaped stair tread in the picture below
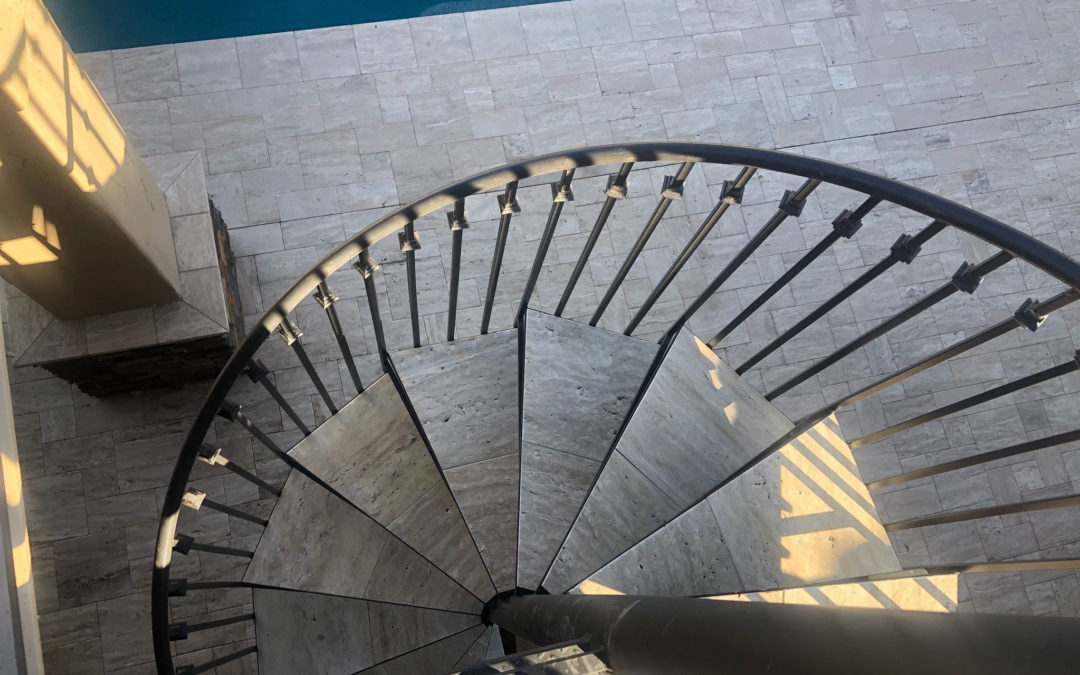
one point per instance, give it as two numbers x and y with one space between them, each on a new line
926 593
477 653
579 384
316 541
563 659
313 633
696 424
436 657
372 453
802 515
465 394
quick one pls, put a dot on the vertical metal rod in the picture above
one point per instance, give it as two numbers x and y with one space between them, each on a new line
967 279
258 372
508 206
903 250
616 190
212 456
410 244
235 412
732 193
291 335
458 223
561 193
969 402
791 204
325 297
845 225
367 267
673 189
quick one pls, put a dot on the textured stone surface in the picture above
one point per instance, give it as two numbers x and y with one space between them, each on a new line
316 541
436 657
465 394
487 492
309 632
392 477
579 384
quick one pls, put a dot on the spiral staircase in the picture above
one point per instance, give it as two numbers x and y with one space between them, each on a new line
477 503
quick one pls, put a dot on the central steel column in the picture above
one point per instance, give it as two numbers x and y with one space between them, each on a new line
687 635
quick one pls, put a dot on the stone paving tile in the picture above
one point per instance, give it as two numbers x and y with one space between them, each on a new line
310 136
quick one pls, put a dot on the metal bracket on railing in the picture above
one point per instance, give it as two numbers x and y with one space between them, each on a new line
407 243
289 332
193 499
256 370
182 543
846 225
905 249
178 631
964 280
458 221
178 588
366 265
673 189
616 187
732 194
791 205
229 410
324 296
211 455
1027 316
508 207
562 191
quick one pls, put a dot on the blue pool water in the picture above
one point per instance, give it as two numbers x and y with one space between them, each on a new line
92 25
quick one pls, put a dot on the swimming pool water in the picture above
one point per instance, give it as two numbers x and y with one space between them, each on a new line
92 25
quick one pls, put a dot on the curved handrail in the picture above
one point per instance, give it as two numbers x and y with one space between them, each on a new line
1009 239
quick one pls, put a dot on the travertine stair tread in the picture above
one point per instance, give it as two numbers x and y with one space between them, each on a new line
436 657
695 425
465 394
578 386
563 659
801 516
317 541
303 632
372 453
918 593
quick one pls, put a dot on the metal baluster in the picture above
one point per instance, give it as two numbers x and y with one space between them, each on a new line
180 587
845 225
291 335
184 544
459 222
258 372
508 206
967 278
181 629
987 512
212 664
672 190
409 242
791 204
234 412
367 267
561 193
981 458
615 190
326 298
970 401
905 249
196 499
212 456
731 194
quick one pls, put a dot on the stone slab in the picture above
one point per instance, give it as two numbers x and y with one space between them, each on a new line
487 492
316 541
311 633
437 657
579 384
372 453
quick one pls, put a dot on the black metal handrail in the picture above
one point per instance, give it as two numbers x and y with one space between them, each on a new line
561 167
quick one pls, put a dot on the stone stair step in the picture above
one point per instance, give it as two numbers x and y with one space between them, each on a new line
465 394
372 453
317 541
696 424
578 386
315 633
437 657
